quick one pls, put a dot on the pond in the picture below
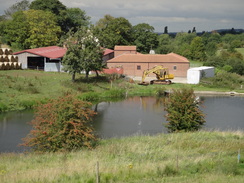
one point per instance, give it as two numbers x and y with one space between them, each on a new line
145 115
133 116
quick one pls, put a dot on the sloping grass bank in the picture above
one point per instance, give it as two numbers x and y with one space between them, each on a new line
184 157
23 89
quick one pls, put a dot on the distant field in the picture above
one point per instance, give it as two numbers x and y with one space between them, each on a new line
241 50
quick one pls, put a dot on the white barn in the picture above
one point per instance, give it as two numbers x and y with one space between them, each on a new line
194 75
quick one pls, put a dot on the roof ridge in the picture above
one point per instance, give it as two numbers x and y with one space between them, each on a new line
148 58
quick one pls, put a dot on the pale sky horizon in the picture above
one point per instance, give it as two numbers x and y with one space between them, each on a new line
178 15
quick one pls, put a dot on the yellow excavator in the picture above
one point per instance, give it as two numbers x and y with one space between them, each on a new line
162 75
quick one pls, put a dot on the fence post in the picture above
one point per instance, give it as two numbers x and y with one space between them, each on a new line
97 172
239 156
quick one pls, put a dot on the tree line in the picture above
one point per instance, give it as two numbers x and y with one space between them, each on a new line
48 22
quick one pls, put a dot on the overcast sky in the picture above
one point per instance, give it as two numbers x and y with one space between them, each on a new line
178 15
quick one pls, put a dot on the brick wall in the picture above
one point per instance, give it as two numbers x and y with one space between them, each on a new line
120 52
136 69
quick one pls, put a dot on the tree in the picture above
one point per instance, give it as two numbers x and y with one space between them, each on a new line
73 18
211 48
197 49
53 6
62 124
104 22
113 31
16 31
31 29
43 29
18 6
183 113
83 52
166 30
144 37
181 40
165 44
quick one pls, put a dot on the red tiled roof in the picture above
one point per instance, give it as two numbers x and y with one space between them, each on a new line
136 58
52 52
107 51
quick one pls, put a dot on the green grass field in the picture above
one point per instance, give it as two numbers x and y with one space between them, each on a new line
183 157
23 89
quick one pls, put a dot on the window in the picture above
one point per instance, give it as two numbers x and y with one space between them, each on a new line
138 67
175 67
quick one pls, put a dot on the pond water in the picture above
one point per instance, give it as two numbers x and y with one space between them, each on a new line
133 116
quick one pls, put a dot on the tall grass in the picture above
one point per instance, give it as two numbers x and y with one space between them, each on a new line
183 157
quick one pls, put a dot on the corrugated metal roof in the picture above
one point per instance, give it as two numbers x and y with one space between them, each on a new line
52 52
135 58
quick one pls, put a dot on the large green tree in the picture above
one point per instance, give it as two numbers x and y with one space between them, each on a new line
32 29
43 29
73 18
114 31
197 49
67 18
16 31
83 52
144 37
54 6
182 43
165 44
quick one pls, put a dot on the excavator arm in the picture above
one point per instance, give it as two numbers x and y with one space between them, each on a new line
161 73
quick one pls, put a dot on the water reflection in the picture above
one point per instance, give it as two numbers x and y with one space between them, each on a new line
145 115
137 115
13 127
224 113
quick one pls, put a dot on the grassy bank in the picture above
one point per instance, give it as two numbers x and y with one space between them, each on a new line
23 89
183 157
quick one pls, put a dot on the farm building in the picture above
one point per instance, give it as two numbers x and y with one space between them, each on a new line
134 63
48 58
45 58
194 75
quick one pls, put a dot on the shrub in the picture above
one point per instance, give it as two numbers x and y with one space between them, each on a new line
3 107
61 124
224 79
183 113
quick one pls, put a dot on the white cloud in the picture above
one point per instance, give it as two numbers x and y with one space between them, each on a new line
177 14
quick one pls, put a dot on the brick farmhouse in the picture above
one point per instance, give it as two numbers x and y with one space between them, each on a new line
122 59
134 63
